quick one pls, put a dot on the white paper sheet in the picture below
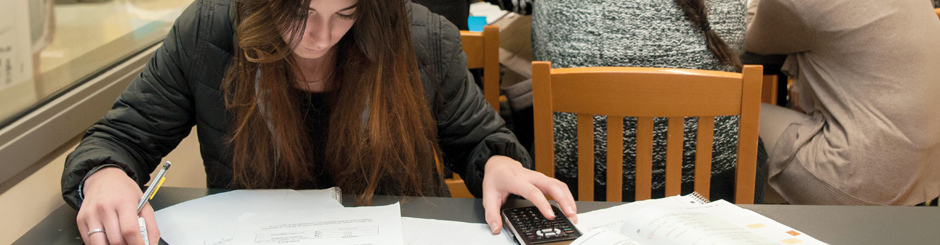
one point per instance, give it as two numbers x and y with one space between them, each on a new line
211 220
687 225
612 217
438 232
728 222
603 237
684 220
661 222
360 225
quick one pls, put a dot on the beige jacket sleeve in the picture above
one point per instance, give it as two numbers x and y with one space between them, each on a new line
778 28
751 11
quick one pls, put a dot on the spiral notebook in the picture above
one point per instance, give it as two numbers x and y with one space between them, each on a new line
689 219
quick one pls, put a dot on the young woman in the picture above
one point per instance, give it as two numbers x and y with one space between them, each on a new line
366 95
692 34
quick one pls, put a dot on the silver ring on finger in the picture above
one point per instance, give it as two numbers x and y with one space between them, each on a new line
95 231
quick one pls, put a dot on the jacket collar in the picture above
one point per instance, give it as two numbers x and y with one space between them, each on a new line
232 12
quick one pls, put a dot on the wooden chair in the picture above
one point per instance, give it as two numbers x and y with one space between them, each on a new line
457 187
482 49
646 93
769 90
455 184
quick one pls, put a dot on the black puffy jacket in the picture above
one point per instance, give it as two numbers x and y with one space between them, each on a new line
180 87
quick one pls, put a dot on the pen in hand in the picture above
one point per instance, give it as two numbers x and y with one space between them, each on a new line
151 191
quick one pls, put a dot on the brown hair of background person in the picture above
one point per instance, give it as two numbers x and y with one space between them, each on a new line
696 12
375 71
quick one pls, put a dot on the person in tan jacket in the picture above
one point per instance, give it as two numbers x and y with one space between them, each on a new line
866 91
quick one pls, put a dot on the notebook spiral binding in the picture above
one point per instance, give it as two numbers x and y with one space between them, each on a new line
699 198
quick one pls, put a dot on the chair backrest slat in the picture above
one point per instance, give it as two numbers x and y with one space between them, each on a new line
482 50
585 157
542 116
614 158
769 90
644 158
674 143
491 79
647 93
472 43
746 169
703 155
672 97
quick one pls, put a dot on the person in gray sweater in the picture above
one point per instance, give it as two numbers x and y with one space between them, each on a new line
692 34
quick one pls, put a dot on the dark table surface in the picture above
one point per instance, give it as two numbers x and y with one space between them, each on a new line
831 224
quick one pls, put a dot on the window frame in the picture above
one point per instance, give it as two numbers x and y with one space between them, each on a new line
35 135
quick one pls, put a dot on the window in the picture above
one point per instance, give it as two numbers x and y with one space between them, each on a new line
47 46
62 65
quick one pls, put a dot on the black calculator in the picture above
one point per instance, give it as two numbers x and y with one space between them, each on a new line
528 226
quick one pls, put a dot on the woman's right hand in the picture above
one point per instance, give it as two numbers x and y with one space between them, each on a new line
111 204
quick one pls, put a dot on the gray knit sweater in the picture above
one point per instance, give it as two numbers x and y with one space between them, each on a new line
639 33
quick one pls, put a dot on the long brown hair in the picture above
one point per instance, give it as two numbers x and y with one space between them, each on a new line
382 137
696 12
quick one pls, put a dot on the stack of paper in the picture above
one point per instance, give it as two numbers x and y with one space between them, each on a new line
258 217
306 217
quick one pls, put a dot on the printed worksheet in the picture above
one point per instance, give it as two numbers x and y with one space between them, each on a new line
373 225
684 220
612 218
687 226
211 220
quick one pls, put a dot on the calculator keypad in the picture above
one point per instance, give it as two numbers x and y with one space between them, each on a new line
530 223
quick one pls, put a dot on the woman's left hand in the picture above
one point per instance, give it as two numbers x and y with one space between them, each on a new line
504 176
